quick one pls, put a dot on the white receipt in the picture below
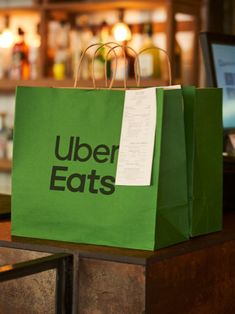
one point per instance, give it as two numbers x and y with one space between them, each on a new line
137 138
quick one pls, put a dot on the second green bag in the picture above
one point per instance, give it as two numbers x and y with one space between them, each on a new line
204 134
65 159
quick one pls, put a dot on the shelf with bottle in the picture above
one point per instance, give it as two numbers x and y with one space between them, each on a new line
64 46
19 45
66 27
67 40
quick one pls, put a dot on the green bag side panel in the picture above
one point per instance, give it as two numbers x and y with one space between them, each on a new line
126 218
172 206
189 105
208 162
203 130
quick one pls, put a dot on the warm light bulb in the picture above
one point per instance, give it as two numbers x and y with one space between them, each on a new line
121 32
6 39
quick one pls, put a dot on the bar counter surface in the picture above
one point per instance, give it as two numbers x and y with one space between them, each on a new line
197 276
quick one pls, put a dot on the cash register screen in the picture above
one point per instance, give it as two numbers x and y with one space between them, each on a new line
224 63
218 52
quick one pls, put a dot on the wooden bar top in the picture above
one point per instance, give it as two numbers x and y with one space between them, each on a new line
123 255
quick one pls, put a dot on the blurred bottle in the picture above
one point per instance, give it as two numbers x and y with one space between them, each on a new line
34 55
101 36
125 57
6 43
105 37
1 65
9 144
3 135
61 66
99 61
75 48
20 61
137 37
150 65
125 65
86 36
53 29
177 63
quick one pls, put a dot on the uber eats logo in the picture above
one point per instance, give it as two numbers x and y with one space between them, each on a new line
62 179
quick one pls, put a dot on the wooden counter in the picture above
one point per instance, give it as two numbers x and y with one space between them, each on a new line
197 276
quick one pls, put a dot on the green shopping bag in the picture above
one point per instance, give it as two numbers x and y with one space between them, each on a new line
203 129
64 165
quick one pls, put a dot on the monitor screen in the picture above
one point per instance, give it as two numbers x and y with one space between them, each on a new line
219 56
224 61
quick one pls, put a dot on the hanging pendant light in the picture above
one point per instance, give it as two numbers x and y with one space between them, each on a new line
121 31
6 37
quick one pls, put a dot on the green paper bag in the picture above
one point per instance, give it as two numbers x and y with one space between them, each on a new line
64 165
204 134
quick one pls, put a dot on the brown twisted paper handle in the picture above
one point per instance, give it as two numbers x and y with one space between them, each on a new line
136 64
78 70
111 49
167 58
108 44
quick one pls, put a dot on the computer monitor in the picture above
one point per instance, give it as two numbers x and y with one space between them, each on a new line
219 57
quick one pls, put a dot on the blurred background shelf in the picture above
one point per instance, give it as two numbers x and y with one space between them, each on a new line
171 21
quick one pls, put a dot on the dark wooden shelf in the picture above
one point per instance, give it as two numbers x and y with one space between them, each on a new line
88 6
9 86
20 9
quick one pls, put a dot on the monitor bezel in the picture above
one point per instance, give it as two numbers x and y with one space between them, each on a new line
207 39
